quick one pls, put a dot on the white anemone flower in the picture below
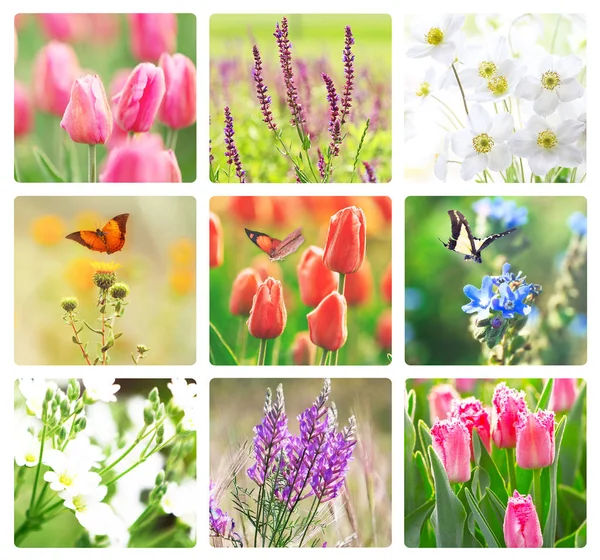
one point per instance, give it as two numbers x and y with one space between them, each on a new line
34 391
100 388
555 82
436 38
440 167
180 500
483 143
418 92
69 475
504 82
184 394
481 65
27 449
97 517
545 146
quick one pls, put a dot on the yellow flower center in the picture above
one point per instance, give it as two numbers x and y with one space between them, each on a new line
434 36
487 69
65 479
498 85
424 90
483 143
79 503
550 80
547 139
30 457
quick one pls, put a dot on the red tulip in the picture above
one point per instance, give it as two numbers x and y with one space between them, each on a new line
441 398
87 118
564 393
23 111
315 280
535 439
386 284
303 350
359 285
385 206
152 35
472 414
266 268
346 241
327 323
384 330
507 405
268 315
243 208
451 441
178 108
216 241
244 288
521 523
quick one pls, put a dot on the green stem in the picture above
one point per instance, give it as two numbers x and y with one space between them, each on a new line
172 139
537 494
522 170
449 109
39 465
92 169
512 472
310 518
462 91
324 357
341 285
137 440
262 352
553 44
358 150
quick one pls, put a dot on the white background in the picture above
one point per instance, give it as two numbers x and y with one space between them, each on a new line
202 189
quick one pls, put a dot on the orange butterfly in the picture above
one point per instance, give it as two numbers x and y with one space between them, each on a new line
276 249
109 239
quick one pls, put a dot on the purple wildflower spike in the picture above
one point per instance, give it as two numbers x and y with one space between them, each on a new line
335 125
348 58
370 176
271 436
231 152
261 90
285 60
321 163
219 523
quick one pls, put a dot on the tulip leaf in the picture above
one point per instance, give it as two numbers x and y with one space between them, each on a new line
572 502
573 440
493 514
483 525
449 516
69 160
566 542
411 404
544 399
424 435
220 352
550 525
581 535
411 499
427 484
413 523
48 168
484 460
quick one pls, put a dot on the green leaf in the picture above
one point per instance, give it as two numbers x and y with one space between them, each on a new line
91 328
483 525
411 499
449 516
581 536
411 404
74 339
220 352
413 524
483 459
424 435
494 512
573 440
544 399
69 161
425 483
550 525
118 335
48 168
573 501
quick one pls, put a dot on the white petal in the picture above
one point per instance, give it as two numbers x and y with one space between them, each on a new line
568 131
483 95
419 29
500 157
568 66
529 88
440 169
455 24
462 143
546 103
444 53
569 90
419 50
479 119
522 143
501 50
548 64
568 155
473 164
470 78
542 161
502 127
537 124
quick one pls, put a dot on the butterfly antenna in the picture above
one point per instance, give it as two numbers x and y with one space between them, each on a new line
444 244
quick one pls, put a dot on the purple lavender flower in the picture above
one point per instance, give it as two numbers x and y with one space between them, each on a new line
261 90
370 176
321 163
335 125
271 436
348 59
231 153
285 60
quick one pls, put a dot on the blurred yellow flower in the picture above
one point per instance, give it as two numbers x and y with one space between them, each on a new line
183 281
88 219
104 267
48 230
77 274
183 251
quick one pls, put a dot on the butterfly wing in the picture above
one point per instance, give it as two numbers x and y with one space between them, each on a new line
461 238
288 246
89 239
114 233
263 241
481 244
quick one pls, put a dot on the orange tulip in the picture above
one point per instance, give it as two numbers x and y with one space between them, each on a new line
384 330
315 280
327 323
359 286
346 241
386 284
242 293
303 350
216 241
268 315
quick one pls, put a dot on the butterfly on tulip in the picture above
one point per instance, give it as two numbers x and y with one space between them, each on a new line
109 239
276 249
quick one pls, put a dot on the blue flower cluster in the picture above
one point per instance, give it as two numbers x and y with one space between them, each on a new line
504 211
578 223
502 297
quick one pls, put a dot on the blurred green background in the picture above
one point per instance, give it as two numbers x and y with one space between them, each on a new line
236 407
437 330
277 217
317 45
105 58
158 264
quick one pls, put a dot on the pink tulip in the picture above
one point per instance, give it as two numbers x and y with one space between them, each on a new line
119 136
138 102
152 35
507 405
178 109
440 399
172 166
64 27
451 442
473 415
521 524
87 118
535 439
465 385
55 69
564 393
23 112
